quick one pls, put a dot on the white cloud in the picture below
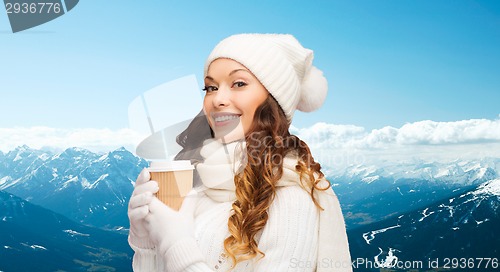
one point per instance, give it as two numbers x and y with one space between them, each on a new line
419 133
343 145
332 145
97 140
466 131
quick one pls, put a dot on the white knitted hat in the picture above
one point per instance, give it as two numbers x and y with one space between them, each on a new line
281 64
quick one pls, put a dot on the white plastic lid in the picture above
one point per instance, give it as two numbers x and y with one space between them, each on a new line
162 166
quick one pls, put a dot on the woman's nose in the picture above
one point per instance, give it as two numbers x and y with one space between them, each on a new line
222 97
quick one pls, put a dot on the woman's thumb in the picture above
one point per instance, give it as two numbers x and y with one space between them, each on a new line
189 203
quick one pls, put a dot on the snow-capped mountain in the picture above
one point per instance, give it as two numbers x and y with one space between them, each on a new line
409 210
94 188
370 194
462 226
37 239
87 187
458 172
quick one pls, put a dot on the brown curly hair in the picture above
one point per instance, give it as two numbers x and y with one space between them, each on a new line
267 142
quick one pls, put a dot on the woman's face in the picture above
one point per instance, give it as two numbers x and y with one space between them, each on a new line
233 94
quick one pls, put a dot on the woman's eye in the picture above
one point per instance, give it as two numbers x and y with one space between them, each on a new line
239 84
209 89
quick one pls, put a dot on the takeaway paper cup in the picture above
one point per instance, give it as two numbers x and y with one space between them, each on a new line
175 179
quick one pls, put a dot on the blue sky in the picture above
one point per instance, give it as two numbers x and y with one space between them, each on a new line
388 62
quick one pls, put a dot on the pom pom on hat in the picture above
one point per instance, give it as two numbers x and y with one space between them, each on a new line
281 64
314 89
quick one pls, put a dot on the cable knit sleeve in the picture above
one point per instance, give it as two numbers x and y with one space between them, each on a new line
290 237
144 258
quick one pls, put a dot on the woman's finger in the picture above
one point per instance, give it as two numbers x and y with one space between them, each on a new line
150 186
143 177
138 213
140 200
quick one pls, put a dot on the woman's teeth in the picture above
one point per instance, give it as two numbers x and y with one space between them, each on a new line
225 118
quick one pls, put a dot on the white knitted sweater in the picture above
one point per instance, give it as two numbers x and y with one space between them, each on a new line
292 238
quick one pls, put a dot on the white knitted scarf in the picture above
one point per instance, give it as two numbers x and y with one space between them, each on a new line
217 175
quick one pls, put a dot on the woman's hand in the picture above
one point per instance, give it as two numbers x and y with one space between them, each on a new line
138 209
166 227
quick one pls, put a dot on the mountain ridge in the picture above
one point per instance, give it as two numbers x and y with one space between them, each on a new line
462 226
94 187
52 242
384 208
89 188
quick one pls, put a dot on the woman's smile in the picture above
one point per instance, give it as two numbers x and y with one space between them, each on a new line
225 118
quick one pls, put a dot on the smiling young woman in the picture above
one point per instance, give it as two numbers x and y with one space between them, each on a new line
263 203
233 94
